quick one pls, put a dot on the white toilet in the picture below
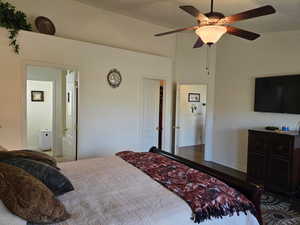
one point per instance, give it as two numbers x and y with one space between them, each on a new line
45 140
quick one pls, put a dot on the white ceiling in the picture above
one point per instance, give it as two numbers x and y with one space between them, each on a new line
166 12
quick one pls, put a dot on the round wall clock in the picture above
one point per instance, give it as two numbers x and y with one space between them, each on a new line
114 78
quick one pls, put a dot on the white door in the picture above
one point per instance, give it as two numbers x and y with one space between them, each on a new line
190 116
69 139
150 126
176 127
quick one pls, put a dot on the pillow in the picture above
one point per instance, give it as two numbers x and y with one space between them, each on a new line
51 177
7 218
28 198
3 149
28 154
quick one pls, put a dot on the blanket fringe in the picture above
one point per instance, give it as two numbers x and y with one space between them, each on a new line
218 212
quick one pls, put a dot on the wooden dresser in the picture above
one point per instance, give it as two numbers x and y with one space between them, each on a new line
274 160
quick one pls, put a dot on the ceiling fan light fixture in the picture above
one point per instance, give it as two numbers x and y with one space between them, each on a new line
211 34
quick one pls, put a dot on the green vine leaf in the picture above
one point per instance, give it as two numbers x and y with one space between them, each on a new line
14 21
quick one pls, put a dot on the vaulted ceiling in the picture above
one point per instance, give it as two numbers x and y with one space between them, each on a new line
166 12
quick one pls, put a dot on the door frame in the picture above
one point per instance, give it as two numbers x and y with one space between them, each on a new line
27 63
141 94
75 119
177 114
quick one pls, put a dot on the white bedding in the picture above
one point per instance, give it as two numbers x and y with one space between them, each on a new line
7 218
109 191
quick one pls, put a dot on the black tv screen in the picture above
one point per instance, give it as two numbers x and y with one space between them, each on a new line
279 94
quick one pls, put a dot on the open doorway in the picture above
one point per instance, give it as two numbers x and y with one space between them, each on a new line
153 95
51 111
191 121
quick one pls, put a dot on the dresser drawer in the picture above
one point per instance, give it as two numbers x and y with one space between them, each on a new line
278 175
256 168
282 146
257 142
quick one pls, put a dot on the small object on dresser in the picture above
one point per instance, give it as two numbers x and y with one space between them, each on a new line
272 128
285 128
298 129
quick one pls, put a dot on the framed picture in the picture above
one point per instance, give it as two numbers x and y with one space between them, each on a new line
37 96
194 97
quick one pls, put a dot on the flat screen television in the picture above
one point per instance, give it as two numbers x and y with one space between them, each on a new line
280 94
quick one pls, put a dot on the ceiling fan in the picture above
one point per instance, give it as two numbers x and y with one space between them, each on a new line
213 25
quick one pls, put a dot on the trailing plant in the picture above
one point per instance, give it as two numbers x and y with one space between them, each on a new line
14 21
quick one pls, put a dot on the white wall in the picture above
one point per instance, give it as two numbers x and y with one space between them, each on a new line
190 68
54 75
108 118
78 21
238 63
39 114
192 123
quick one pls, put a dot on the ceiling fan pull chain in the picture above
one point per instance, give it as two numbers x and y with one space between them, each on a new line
207 60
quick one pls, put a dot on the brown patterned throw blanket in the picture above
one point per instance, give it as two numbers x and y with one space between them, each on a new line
207 196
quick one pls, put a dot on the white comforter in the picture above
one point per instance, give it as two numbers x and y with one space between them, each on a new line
109 191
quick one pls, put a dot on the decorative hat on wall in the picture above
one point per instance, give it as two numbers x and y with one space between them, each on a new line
45 26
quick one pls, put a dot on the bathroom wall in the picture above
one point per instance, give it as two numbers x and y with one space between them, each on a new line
55 75
192 123
39 114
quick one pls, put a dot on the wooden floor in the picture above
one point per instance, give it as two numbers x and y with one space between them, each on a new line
196 154
193 153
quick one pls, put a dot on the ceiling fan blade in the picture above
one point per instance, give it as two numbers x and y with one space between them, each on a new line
262 11
199 43
193 11
242 33
175 31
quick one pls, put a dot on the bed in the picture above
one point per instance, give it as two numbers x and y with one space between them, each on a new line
109 191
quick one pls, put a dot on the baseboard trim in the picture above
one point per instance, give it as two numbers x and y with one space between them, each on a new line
230 166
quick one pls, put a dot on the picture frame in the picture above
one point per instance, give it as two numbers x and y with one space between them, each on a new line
194 97
37 96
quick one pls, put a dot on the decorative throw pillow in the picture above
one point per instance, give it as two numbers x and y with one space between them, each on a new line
28 154
3 149
51 177
28 198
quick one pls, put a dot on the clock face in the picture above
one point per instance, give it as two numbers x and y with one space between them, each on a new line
114 78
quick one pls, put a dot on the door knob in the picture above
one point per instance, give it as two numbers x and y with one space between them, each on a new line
66 129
